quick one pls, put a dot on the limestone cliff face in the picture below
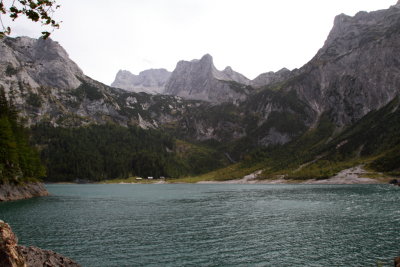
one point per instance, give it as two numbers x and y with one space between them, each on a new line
358 68
231 75
271 77
12 255
47 86
149 81
200 80
68 98
36 63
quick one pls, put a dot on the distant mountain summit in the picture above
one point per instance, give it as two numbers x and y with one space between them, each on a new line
271 77
194 80
150 81
200 80
231 75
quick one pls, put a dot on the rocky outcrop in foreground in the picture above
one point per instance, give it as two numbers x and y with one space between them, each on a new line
12 255
15 192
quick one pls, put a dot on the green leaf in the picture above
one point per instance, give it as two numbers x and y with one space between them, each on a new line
45 35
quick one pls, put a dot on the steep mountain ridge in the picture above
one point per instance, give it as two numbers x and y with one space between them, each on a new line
150 81
47 86
77 100
36 63
200 80
356 71
184 83
271 77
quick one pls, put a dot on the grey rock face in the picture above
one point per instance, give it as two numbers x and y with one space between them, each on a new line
271 77
149 81
36 63
200 80
47 86
36 257
12 255
231 75
358 68
10 192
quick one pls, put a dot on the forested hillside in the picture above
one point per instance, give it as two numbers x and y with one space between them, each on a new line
100 152
19 161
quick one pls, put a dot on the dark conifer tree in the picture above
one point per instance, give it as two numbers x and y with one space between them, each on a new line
18 160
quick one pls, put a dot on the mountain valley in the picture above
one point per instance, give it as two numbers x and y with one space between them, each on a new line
338 111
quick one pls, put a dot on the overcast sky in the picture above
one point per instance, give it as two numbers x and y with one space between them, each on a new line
251 36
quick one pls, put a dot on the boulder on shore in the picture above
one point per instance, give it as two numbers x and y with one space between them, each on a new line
22 191
12 255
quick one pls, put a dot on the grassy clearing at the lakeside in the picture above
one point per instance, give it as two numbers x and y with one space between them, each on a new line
130 180
320 169
232 172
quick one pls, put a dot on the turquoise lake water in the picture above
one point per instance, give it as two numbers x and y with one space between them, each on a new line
213 225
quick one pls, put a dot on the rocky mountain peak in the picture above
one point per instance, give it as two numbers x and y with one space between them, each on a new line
150 81
228 70
231 75
207 58
271 77
349 33
200 80
37 62
206 61
355 71
203 65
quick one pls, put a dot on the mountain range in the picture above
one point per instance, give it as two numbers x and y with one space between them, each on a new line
198 79
277 122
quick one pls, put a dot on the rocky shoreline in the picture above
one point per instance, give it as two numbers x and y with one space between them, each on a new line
354 175
12 255
10 192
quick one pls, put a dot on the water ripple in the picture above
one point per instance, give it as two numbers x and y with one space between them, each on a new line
213 225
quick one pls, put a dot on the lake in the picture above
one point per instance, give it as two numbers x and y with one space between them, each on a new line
213 225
